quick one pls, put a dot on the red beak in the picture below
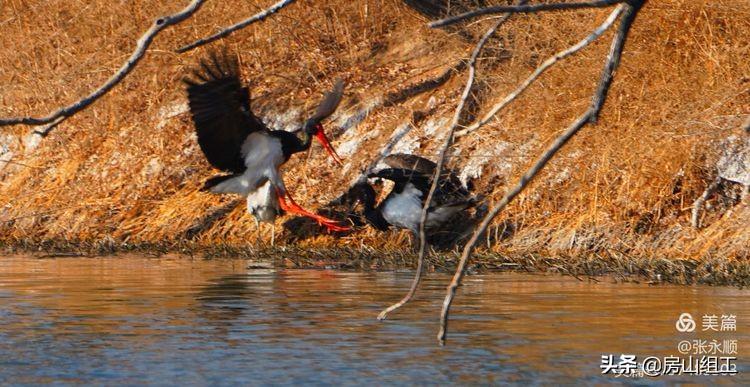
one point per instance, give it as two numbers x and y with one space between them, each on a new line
323 140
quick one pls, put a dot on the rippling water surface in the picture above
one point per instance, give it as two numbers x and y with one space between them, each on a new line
135 320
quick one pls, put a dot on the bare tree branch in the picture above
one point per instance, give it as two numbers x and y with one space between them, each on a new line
589 116
142 45
260 16
441 160
695 218
522 9
45 130
541 69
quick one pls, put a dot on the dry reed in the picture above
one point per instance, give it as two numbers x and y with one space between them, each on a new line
125 172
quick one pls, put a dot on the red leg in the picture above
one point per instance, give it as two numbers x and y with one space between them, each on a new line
295 208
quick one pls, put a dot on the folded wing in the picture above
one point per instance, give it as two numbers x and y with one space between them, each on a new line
449 185
413 162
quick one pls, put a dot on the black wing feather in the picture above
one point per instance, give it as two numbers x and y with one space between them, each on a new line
220 108
449 183
329 103
413 162
327 106
440 8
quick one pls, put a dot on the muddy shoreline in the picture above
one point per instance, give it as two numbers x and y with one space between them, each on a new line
597 267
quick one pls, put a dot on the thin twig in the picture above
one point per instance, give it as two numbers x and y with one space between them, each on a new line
589 116
541 69
695 218
260 16
403 94
522 9
441 160
142 45
20 164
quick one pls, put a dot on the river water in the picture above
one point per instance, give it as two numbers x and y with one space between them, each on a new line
177 320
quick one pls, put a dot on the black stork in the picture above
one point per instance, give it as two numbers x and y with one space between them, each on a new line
402 208
236 141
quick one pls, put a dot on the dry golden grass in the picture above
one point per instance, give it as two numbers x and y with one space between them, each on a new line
119 173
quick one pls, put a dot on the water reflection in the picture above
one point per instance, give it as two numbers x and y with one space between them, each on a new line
173 319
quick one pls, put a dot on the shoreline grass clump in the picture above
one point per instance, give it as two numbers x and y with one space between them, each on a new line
612 266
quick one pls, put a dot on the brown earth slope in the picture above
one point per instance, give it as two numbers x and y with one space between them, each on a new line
127 170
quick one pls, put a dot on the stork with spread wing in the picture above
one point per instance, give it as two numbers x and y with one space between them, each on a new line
236 141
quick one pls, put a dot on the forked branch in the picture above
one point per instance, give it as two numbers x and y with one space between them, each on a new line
695 217
142 45
541 69
441 160
260 16
532 8
587 117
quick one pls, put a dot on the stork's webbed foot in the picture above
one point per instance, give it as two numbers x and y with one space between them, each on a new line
293 207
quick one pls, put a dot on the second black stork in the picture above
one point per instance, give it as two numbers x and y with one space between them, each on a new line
236 141
402 208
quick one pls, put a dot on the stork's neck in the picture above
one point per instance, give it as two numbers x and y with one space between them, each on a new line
373 215
293 142
376 219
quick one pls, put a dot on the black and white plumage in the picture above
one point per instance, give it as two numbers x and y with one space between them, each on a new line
236 141
263 205
449 186
440 8
402 208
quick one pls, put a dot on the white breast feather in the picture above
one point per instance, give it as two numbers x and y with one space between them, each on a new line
261 150
263 156
263 203
404 209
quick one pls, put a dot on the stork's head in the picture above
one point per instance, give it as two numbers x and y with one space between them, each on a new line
315 128
358 201
361 201
361 193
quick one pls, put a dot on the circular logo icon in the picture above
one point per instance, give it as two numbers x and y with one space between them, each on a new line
685 323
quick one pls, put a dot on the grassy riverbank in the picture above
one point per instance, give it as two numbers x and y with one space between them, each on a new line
126 171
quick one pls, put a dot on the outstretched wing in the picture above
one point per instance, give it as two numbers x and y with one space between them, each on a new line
429 8
329 103
434 9
220 107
